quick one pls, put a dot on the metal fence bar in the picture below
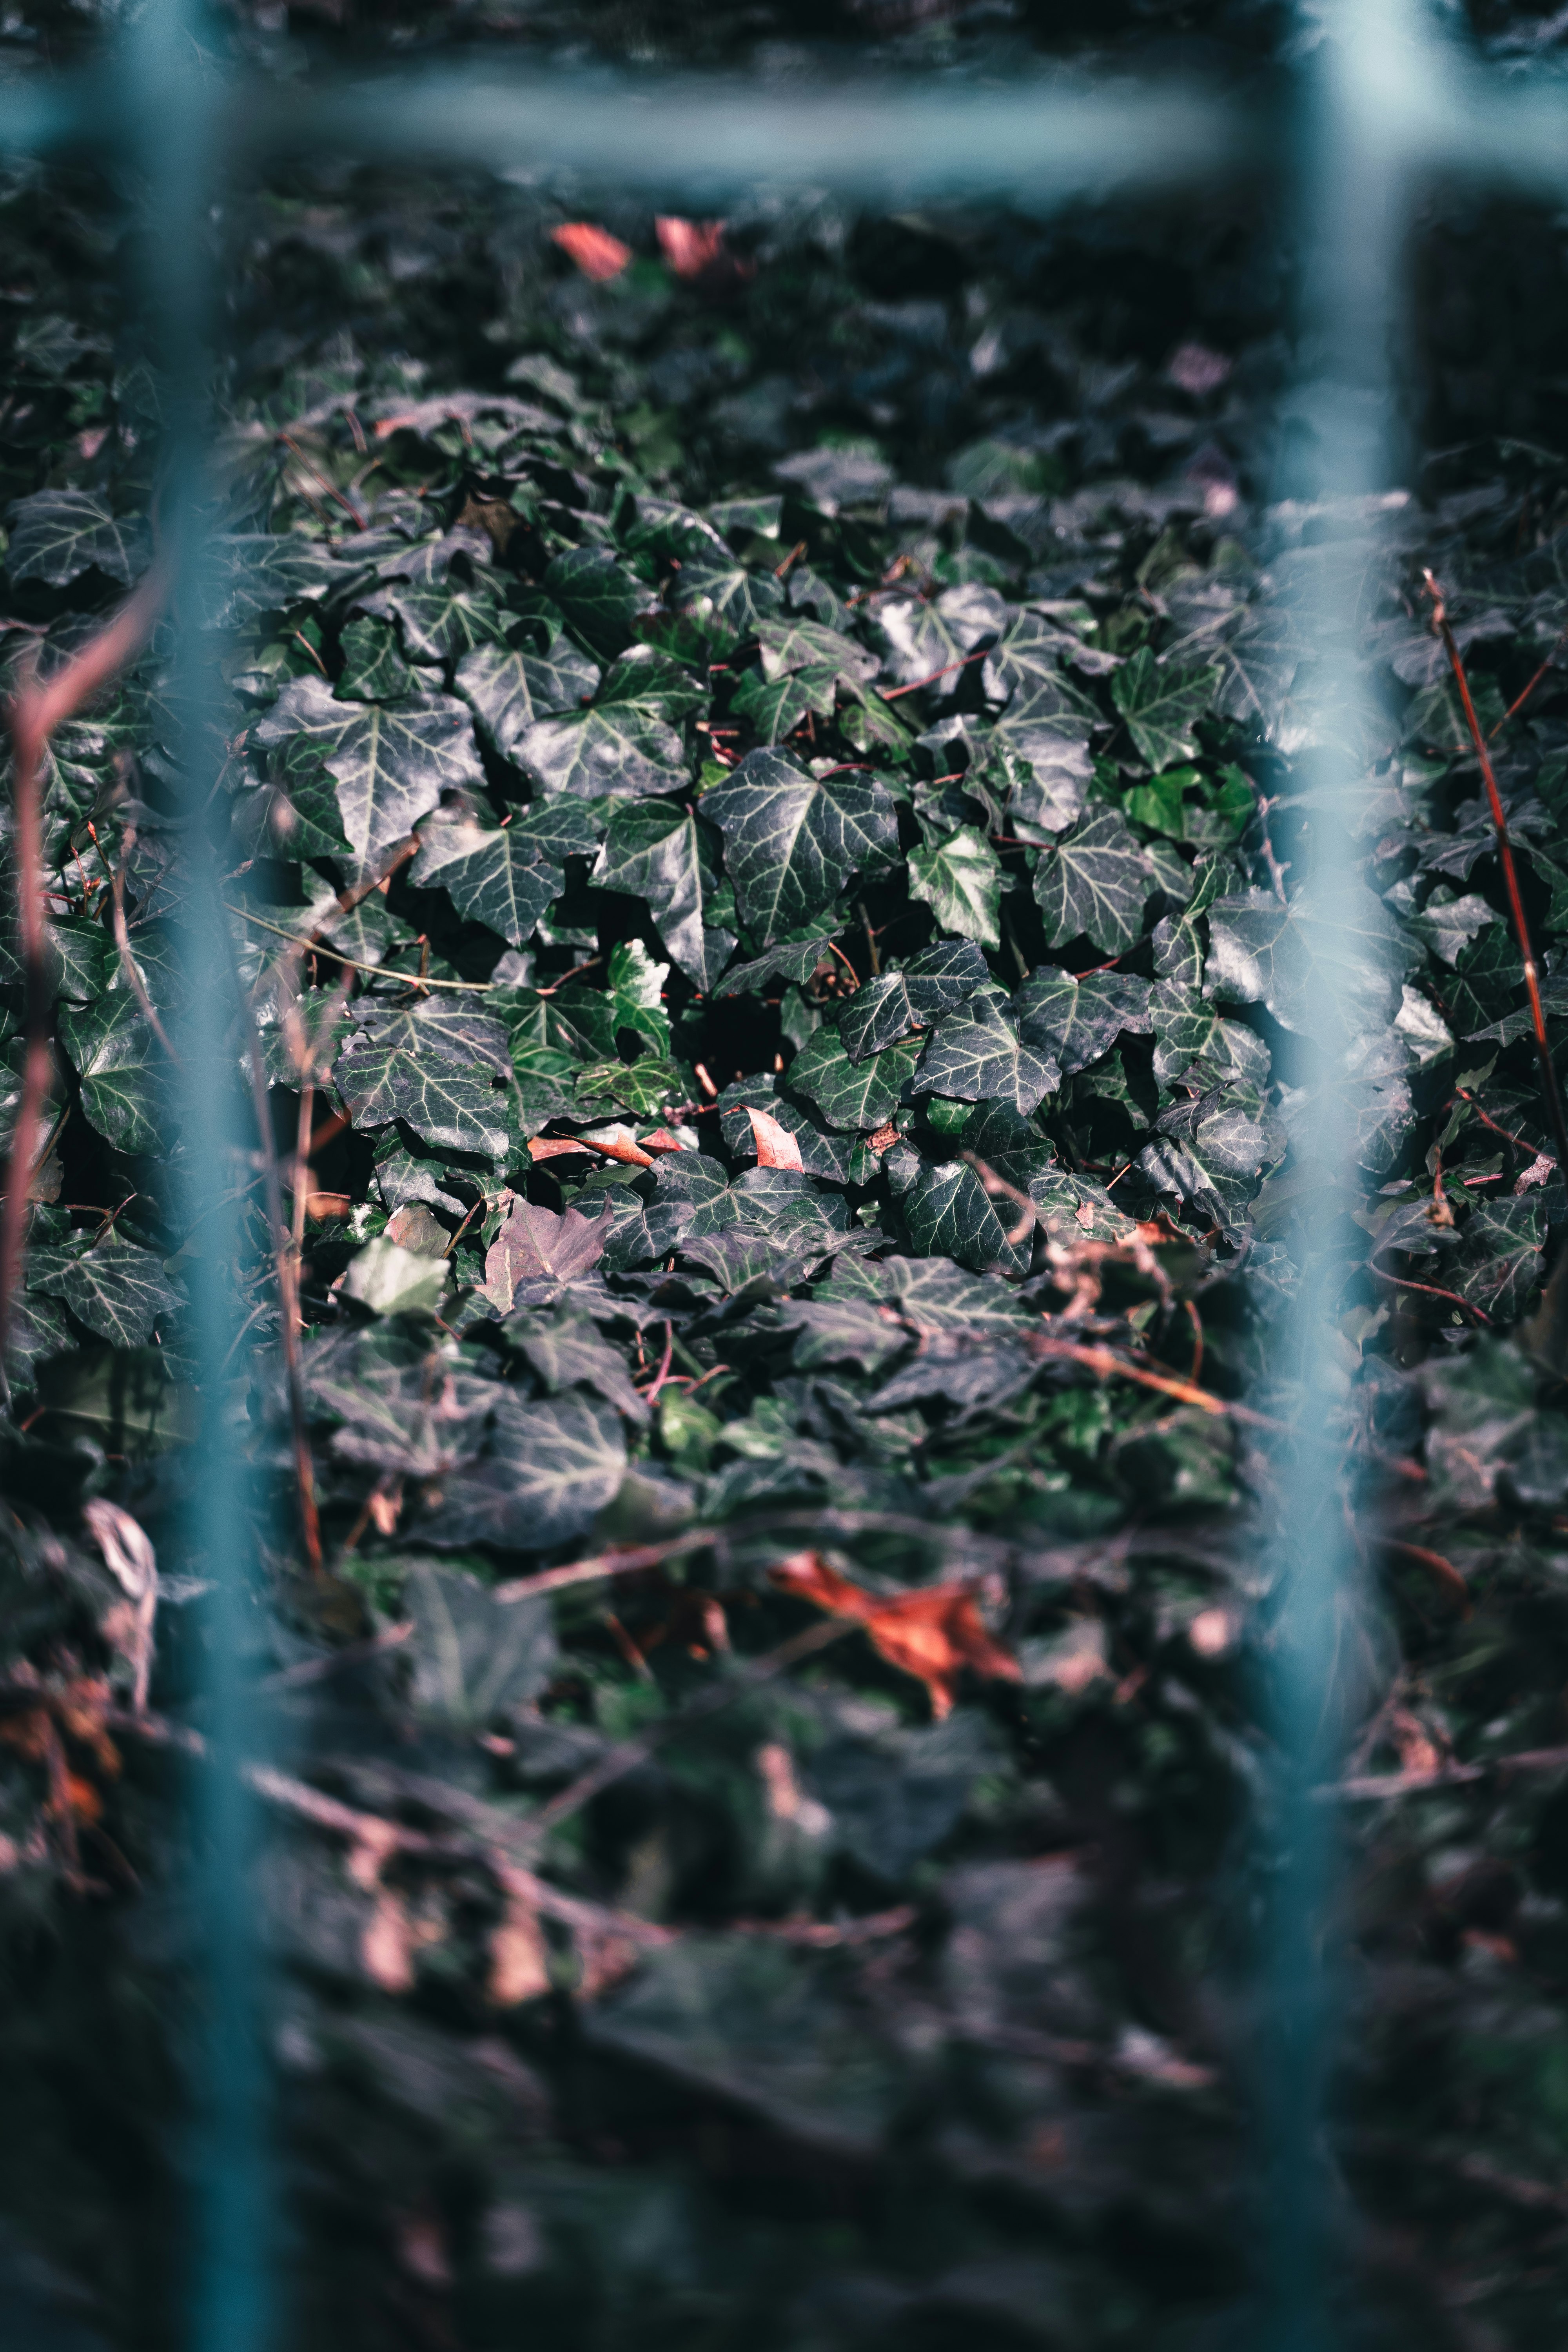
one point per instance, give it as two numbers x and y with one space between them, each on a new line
1390 99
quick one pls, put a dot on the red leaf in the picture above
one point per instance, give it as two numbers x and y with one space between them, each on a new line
596 253
695 251
776 1147
933 1634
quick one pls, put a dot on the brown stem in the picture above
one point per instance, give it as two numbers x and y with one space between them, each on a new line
35 711
1550 1087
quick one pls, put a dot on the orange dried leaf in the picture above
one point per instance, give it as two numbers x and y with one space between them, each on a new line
661 1140
690 246
933 1634
596 253
776 1147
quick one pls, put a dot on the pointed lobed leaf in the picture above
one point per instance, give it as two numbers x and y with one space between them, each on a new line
792 840
1094 885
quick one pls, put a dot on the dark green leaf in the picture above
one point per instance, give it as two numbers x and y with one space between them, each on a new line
1094 885
792 840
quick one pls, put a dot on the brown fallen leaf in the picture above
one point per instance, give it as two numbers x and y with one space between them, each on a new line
661 1140
596 253
776 1147
933 1634
695 251
520 1965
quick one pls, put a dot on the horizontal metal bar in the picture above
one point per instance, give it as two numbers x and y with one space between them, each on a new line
1038 140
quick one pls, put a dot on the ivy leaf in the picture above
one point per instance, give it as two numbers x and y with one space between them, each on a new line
1191 1037
742 600
566 1351
886 1008
507 687
792 840
975 1054
959 879
389 763
600 598
547 1472
794 643
668 857
948 1214
776 711
1093 885
636 993
489 874
118 1291
374 668
56 535
623 743
1028 656
474 1657
923 639
861 1093
128 1090
1329 962
440 620
1075 1021
243 574
537 1252
434 1068
1161 706
791 960
1503 1242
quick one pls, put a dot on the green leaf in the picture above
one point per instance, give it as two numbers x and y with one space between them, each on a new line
668 857
620 747
389 763
1073 1022
599 597
391 1280
911 997
860 1095
923 639
374 667
118 1291
742 600
566 1351
128 1086
776 711
474 1658
441 620
1503 1244
948 1214
547 1470
974 1054
1094 884
792 840
959 879
243 574
488 873
432 1067
1162 707
508 688
1327 965
637 992
56 535
794 643
1192 1040
790 960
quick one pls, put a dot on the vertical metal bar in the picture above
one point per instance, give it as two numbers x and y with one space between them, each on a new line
230 2308
1349 191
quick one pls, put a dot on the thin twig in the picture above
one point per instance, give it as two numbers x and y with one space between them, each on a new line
35 711
353 963
1550 1087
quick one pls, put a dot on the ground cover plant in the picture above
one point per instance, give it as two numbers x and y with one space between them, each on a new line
760 774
